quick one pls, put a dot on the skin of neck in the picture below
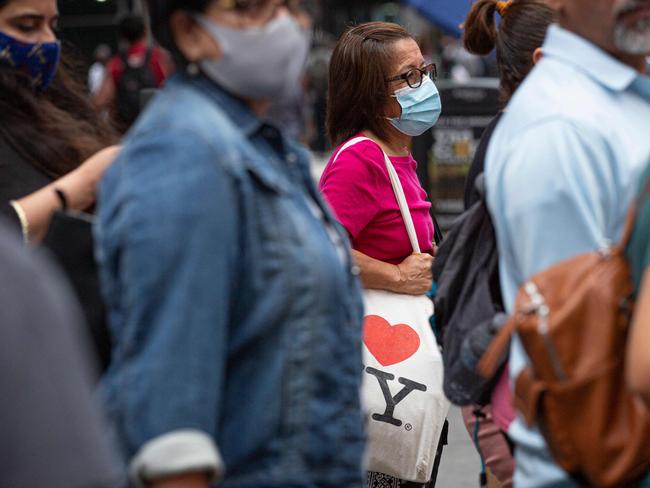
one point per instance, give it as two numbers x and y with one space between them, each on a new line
396 144
635 61
259 107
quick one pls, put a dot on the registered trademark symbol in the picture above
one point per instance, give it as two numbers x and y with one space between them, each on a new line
408 427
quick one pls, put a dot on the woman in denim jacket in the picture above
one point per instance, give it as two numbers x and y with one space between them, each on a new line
234 309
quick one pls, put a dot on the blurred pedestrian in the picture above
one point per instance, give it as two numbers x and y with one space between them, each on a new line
638 364
52 432
518 38
381 88
48 127
289 112
48 139
563 163
97 71
235 314
137 67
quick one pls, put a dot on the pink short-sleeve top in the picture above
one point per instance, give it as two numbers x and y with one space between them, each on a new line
358 189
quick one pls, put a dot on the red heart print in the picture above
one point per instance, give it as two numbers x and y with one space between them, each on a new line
389 344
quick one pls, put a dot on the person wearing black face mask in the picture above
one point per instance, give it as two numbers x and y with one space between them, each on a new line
46 129
234 307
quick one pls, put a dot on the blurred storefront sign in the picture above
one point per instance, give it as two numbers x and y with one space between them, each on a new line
467 109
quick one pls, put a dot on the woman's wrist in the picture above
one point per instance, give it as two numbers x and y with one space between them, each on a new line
79 193
191 480
395 278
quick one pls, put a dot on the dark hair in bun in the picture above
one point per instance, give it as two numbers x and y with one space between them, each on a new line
522 30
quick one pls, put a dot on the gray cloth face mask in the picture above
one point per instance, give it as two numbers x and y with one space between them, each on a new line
260 63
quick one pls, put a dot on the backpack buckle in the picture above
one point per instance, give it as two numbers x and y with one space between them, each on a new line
539 307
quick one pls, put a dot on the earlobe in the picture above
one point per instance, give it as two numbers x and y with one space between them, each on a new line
191 39
537 55
554 4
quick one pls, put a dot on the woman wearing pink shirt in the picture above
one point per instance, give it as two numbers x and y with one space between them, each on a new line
381 89
381 94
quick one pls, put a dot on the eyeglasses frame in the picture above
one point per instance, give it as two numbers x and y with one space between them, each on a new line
430 70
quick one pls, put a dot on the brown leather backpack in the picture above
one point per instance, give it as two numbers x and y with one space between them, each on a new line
573 322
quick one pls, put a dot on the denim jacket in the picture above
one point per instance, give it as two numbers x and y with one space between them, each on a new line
234 308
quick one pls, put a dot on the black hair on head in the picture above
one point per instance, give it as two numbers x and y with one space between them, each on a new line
160 13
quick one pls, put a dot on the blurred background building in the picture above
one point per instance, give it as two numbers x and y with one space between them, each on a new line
467 83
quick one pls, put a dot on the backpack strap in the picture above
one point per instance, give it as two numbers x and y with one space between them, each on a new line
146 61
148 56
398 190
498 349
645 193
630 220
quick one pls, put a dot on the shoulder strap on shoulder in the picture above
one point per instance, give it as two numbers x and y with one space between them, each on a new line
631 217
148 55
349 144
123 56
645 193
397 190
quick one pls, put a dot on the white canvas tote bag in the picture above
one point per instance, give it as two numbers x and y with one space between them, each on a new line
404 405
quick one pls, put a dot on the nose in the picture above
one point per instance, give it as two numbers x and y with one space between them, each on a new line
47 35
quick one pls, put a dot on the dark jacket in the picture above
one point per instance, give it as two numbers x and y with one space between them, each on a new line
18 178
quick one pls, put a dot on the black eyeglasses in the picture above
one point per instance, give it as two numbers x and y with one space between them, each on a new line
415 76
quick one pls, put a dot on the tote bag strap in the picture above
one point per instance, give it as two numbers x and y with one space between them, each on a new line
398 190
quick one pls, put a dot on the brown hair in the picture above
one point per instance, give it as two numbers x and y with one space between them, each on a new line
54 131
522 30
358 91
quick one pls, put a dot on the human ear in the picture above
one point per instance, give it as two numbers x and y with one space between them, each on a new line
537 55
555 4
194 43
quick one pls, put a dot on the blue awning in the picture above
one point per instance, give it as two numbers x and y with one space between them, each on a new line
445 14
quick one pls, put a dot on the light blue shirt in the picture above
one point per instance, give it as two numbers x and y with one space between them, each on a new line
561 170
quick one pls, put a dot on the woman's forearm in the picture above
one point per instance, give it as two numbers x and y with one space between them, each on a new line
411 277
38 209
79 188
638 359
195 480
375 274
39 206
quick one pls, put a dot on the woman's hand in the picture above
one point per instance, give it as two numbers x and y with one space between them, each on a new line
80 186
411 277
415 276
196 480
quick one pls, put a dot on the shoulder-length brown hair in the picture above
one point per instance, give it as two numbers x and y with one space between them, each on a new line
54 131
358 91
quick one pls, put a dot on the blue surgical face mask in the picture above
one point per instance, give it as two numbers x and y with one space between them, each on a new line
421 108
38 61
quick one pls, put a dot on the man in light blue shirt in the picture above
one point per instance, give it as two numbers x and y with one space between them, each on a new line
563 164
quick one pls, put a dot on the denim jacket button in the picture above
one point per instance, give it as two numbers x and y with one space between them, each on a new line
292 158
355 270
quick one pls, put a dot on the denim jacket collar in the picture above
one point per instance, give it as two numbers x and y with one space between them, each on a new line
240 113
249 123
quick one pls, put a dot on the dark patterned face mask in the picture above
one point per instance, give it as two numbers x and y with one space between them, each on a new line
38 61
